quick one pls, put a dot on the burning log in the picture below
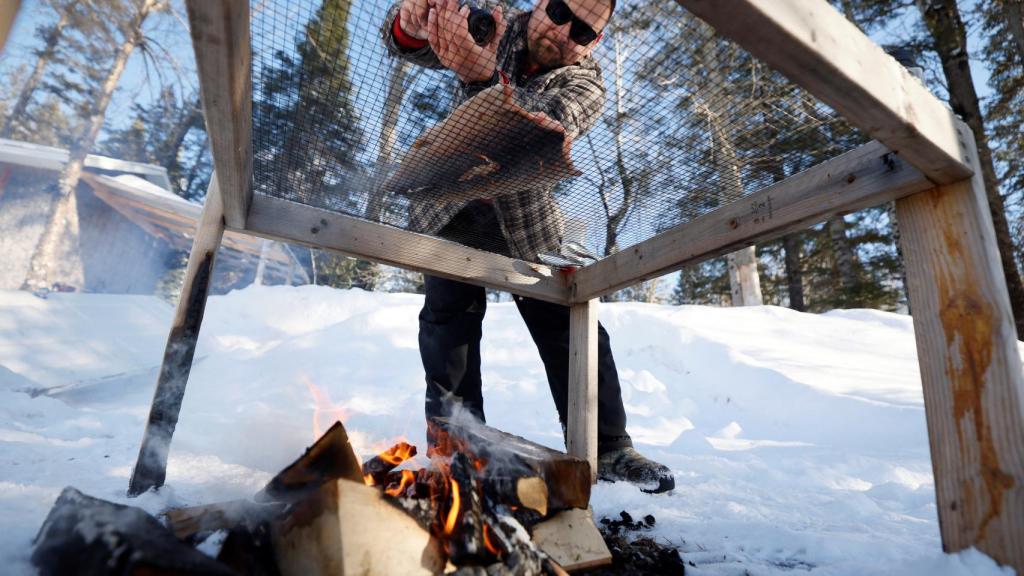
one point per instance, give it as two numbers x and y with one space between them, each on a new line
464 519
567 478
347 528
376 469
523 492
329 458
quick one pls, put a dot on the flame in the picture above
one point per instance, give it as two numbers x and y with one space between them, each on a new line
398 453
408 477
453 512
487 541
368 479
323 407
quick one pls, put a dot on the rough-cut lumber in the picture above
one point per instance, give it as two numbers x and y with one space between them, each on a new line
867 176
329 458
302 224
815 46
85 535
970 368
572 540
581 438
346 528
151 467
568 479
220 38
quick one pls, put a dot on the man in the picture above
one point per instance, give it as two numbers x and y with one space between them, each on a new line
545 56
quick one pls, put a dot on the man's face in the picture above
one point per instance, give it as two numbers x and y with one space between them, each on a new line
550 44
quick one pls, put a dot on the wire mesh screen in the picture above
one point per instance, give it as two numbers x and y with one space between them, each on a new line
565 137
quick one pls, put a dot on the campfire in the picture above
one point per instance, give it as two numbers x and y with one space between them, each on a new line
488 503
488 500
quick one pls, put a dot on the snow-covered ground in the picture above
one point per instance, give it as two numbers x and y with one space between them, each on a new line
798 440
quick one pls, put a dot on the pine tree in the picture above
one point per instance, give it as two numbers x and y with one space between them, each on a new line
309 134
51 35
1002 19
164 132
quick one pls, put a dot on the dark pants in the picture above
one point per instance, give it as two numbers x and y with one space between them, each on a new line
450 332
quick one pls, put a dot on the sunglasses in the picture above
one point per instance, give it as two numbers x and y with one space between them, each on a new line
580 32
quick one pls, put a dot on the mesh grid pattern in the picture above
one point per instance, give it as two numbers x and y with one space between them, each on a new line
689 122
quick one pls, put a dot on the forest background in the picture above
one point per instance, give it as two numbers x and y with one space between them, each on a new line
117 78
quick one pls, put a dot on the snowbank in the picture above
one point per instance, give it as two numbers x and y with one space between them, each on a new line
798 440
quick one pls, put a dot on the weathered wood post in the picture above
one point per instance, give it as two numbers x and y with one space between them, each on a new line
970 365
7 13
151 467
581 439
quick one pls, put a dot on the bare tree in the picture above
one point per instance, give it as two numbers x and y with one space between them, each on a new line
44 256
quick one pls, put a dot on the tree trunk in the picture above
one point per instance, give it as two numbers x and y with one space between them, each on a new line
261 265
744 283
942 17
794 274
1013 10
617 216
50 42
388 134
45 253
843 254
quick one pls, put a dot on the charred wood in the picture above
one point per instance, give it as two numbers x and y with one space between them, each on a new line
85 535
376 469
329 458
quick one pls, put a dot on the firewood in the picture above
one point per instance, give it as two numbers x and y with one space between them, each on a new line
567 478
329 458
85 535
376 469
572 540
525 491
191 522
248 550
347 528
464 517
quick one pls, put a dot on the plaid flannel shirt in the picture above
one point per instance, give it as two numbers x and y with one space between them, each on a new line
531 221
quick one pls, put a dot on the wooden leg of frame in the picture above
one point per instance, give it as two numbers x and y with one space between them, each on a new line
151 467
970 368
581 440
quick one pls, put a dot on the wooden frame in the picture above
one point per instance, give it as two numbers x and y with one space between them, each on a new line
220 37
923 159
300 224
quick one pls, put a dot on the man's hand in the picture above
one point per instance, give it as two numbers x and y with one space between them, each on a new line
412 17
448 34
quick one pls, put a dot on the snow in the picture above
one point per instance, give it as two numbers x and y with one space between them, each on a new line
798 440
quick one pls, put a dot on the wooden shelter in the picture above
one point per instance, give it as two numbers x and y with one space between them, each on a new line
921 156
126 225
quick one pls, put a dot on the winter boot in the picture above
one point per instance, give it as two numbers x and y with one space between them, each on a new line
629 465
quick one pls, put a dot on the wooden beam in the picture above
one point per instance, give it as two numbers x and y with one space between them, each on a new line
581 439
220 37
7 13
302 224
819 49
970 368
867 176
151 467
